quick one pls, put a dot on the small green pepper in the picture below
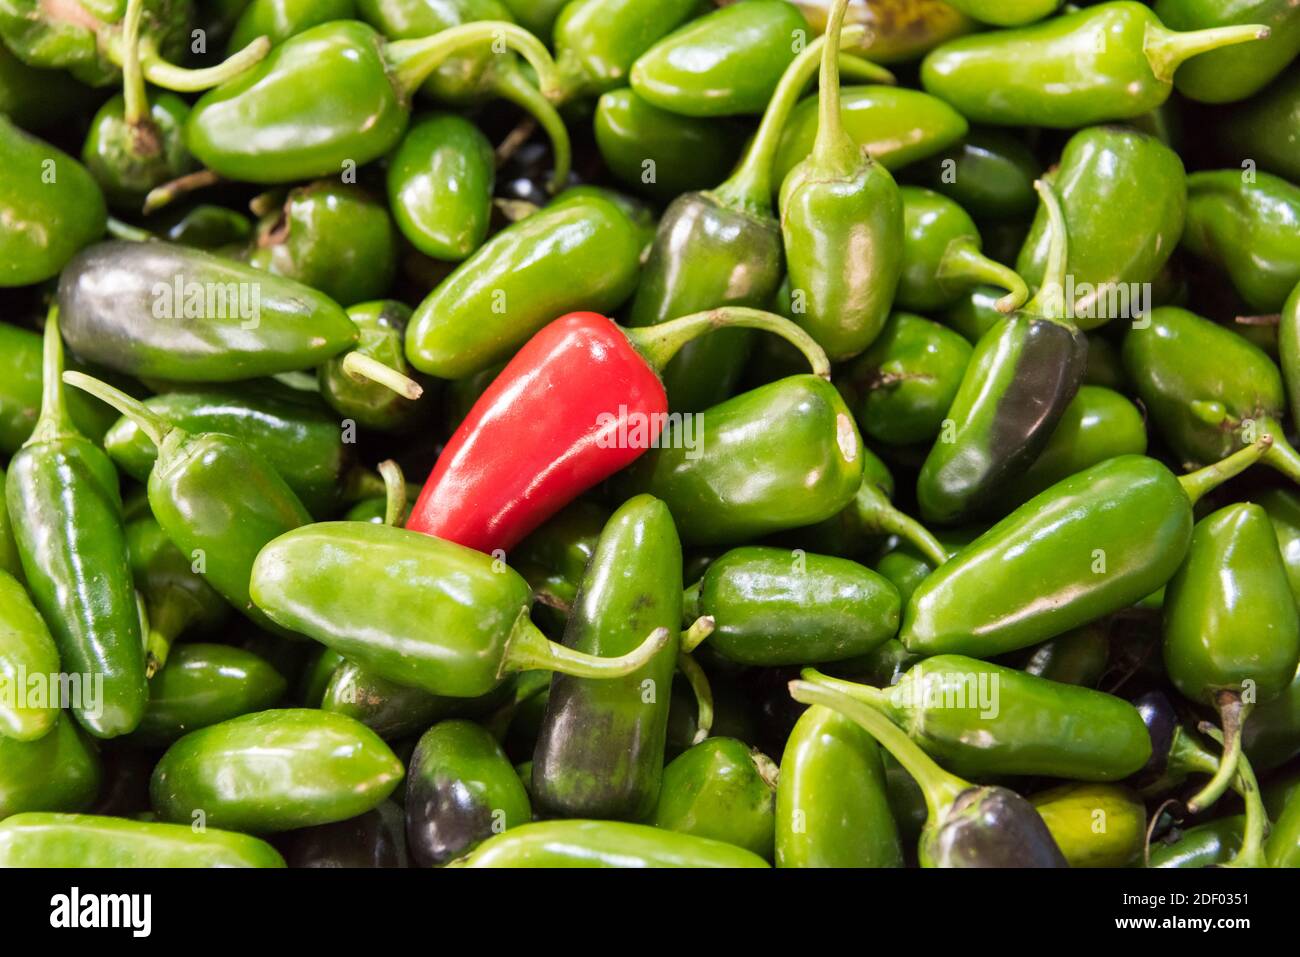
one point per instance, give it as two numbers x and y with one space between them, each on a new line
37 99
555 557
460 791
207 226
27 650
1283 507
1266 128
1095 825
281 19
274 771
1225 76
990 174
1205 845
552 844
57 772
385 707
898 30
1078 657
11 562
382 325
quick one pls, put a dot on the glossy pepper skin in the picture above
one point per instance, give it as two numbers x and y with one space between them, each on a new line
1007 13
26 648
390 710
275 771
440 183
382 327
20 393
1265 128
1094 825
50 204
990 174
580 254
1022 376
281 19
1109 62
600 752
1283 847
832 809
723 790
372 840
1078 657
1225 76
714 493
461 790
155 309
839 199
63 500
552 844
88 840
1248 230
774 607
1205 845
36 99
899 30
59 771
1124 196
127 158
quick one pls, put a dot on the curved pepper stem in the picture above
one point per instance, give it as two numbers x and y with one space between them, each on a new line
512 85
856 68
699 682
394 492
361 483
1049 302
55 420
939 787
834 150
1200 483
412 61
527 648
167 193
1232 714
153 425
364 368
162 625
1251 853
963 262
878 515
132 234
658 344
1166 49
699 629
1282 455
180 79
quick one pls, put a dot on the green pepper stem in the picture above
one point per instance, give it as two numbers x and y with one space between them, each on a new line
394 492
120 230
512 85
1049 302
153 425
135 100
834 151
54 421
1282 456
181 80
749 188
878 515
659 343
691 604
363 368
1200 483
872 697
963 263
699 682
939 787
527 648
412 61
699 629
167 193
1167 49
856 68
1251 853
164 624
1187 755
1232 713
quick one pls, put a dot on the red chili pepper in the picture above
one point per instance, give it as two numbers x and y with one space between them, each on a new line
580 401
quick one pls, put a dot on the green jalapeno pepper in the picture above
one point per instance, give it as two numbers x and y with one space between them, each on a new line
537 16
897 30
1108 62
1022 376
1283 507
63 500
461 790
281 19
1246 223
1007 13
990 174
1078 657
832 809
1204 845
37 99
600 752
26 649
604 844
1289 348
317 674
555 557
966 825
1224 76
1272 735
88 840
1283 846
1092 544
455 621
374 839
207 226
975 313
385 707
382 326
59 771
274 771
1266 128
1023 724
1124 196
1094 825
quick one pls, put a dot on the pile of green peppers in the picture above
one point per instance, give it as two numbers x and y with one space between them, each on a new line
1009 579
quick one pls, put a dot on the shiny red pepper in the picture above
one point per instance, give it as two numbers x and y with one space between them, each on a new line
580 401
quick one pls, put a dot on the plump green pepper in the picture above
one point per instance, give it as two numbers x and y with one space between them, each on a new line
980 720
63 500
1095 825
1124 196
385 707
1266 128
1078 657
600 752
454 621
604 844
26 650
580 254
57 772
723 790
1283 507
274 771
203 685
1246 224
772 606
207 226
281 19
37 99
1225 76
88 840
832 809
440 184
382 325
461 790
1204 845
816 459
1108 62
50 205
990 174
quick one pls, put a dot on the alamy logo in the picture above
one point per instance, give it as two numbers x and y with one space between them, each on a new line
1106 300
83 693
74 909
180 299
651 430
931 691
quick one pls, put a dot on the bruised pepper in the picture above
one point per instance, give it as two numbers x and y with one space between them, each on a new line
1023 374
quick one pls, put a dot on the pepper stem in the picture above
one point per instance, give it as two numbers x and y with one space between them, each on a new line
394 492
412 61
834 150
182 80
699 682
749 188
512 85
877 514
700 629
1232 712
691 605
963 262
1251 853
1200 483
659 343
361 483
527 648
1167 49
856 68
120 230
135 100
55 421
163 195
940 787
1049 302
153 425
1282 456
164 624
363 368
